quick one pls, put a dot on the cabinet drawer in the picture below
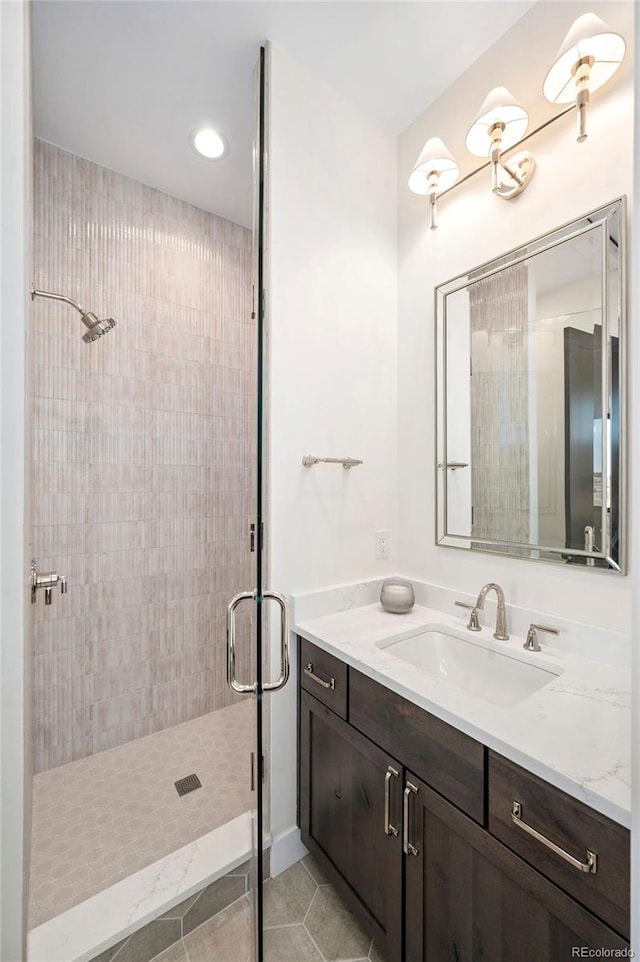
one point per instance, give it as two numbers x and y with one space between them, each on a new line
448 760
324 676
573 827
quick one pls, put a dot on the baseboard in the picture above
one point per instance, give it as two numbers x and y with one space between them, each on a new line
286 850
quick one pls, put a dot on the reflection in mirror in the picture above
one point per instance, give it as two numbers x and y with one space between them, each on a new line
529 423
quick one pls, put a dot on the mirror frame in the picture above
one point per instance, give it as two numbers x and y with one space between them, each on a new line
594 220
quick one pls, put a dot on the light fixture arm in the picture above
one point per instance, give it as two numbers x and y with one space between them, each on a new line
512 173
434 180
582 71
495 152
519 171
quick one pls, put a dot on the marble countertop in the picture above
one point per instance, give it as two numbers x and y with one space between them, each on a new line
575 732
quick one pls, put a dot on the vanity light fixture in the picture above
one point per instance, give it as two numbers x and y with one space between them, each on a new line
501 123
208 143
590 54
434 171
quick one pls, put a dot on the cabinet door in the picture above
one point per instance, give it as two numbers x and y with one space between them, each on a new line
347 789
468 898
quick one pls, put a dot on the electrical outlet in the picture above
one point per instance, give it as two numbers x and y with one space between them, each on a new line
383 539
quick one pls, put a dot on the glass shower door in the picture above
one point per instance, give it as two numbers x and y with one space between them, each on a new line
264 604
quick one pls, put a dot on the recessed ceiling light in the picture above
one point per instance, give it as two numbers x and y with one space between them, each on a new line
208 143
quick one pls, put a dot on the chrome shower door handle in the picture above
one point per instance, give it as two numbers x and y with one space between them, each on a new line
232 681
282 679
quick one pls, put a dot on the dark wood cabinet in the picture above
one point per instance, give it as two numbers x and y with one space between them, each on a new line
406 818
450 761
350 817
468 898
572 826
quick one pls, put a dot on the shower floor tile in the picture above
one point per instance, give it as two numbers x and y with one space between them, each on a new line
98 820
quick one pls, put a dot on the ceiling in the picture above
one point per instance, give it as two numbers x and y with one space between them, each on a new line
124 83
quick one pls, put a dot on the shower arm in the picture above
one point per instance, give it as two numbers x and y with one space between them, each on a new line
57 297
95 327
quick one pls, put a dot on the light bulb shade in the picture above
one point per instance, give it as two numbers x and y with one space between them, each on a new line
499 107
588 37
434 159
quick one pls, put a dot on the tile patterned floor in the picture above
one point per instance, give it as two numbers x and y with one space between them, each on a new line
154 938
98 820
305 921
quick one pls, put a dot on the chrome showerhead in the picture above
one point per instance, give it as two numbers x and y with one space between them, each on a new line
96 326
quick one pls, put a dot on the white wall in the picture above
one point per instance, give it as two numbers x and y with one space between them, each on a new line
571 179
15 759
332 317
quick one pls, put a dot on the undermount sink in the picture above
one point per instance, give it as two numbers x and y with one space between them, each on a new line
495 676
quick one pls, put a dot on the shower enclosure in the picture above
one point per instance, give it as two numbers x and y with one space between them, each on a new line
147 510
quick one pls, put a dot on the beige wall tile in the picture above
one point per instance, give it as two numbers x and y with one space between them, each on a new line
142 447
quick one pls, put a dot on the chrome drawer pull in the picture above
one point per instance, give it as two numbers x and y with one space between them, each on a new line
389 829
331 684
590 866
408 848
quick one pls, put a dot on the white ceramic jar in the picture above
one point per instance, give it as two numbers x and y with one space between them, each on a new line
397 596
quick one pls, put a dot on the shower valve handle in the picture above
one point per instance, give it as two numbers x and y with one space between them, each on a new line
47 580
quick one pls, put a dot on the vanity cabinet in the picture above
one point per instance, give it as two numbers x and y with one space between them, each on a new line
468 898
350 819
412 821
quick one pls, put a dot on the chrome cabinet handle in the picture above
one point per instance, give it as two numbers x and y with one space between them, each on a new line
590 866
232 681
308 671
408 848
389 829
282 679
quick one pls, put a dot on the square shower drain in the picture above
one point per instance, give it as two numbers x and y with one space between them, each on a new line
187 784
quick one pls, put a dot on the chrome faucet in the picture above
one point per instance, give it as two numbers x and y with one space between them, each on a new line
501 618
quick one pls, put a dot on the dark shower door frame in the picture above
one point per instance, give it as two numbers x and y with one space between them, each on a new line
259 595
260 491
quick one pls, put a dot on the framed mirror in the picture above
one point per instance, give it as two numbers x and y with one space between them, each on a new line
530 439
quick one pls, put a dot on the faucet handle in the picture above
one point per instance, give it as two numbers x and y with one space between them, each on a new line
47 581
474 622
532 643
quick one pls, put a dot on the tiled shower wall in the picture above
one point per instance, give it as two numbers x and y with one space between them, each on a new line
143 447
500 491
